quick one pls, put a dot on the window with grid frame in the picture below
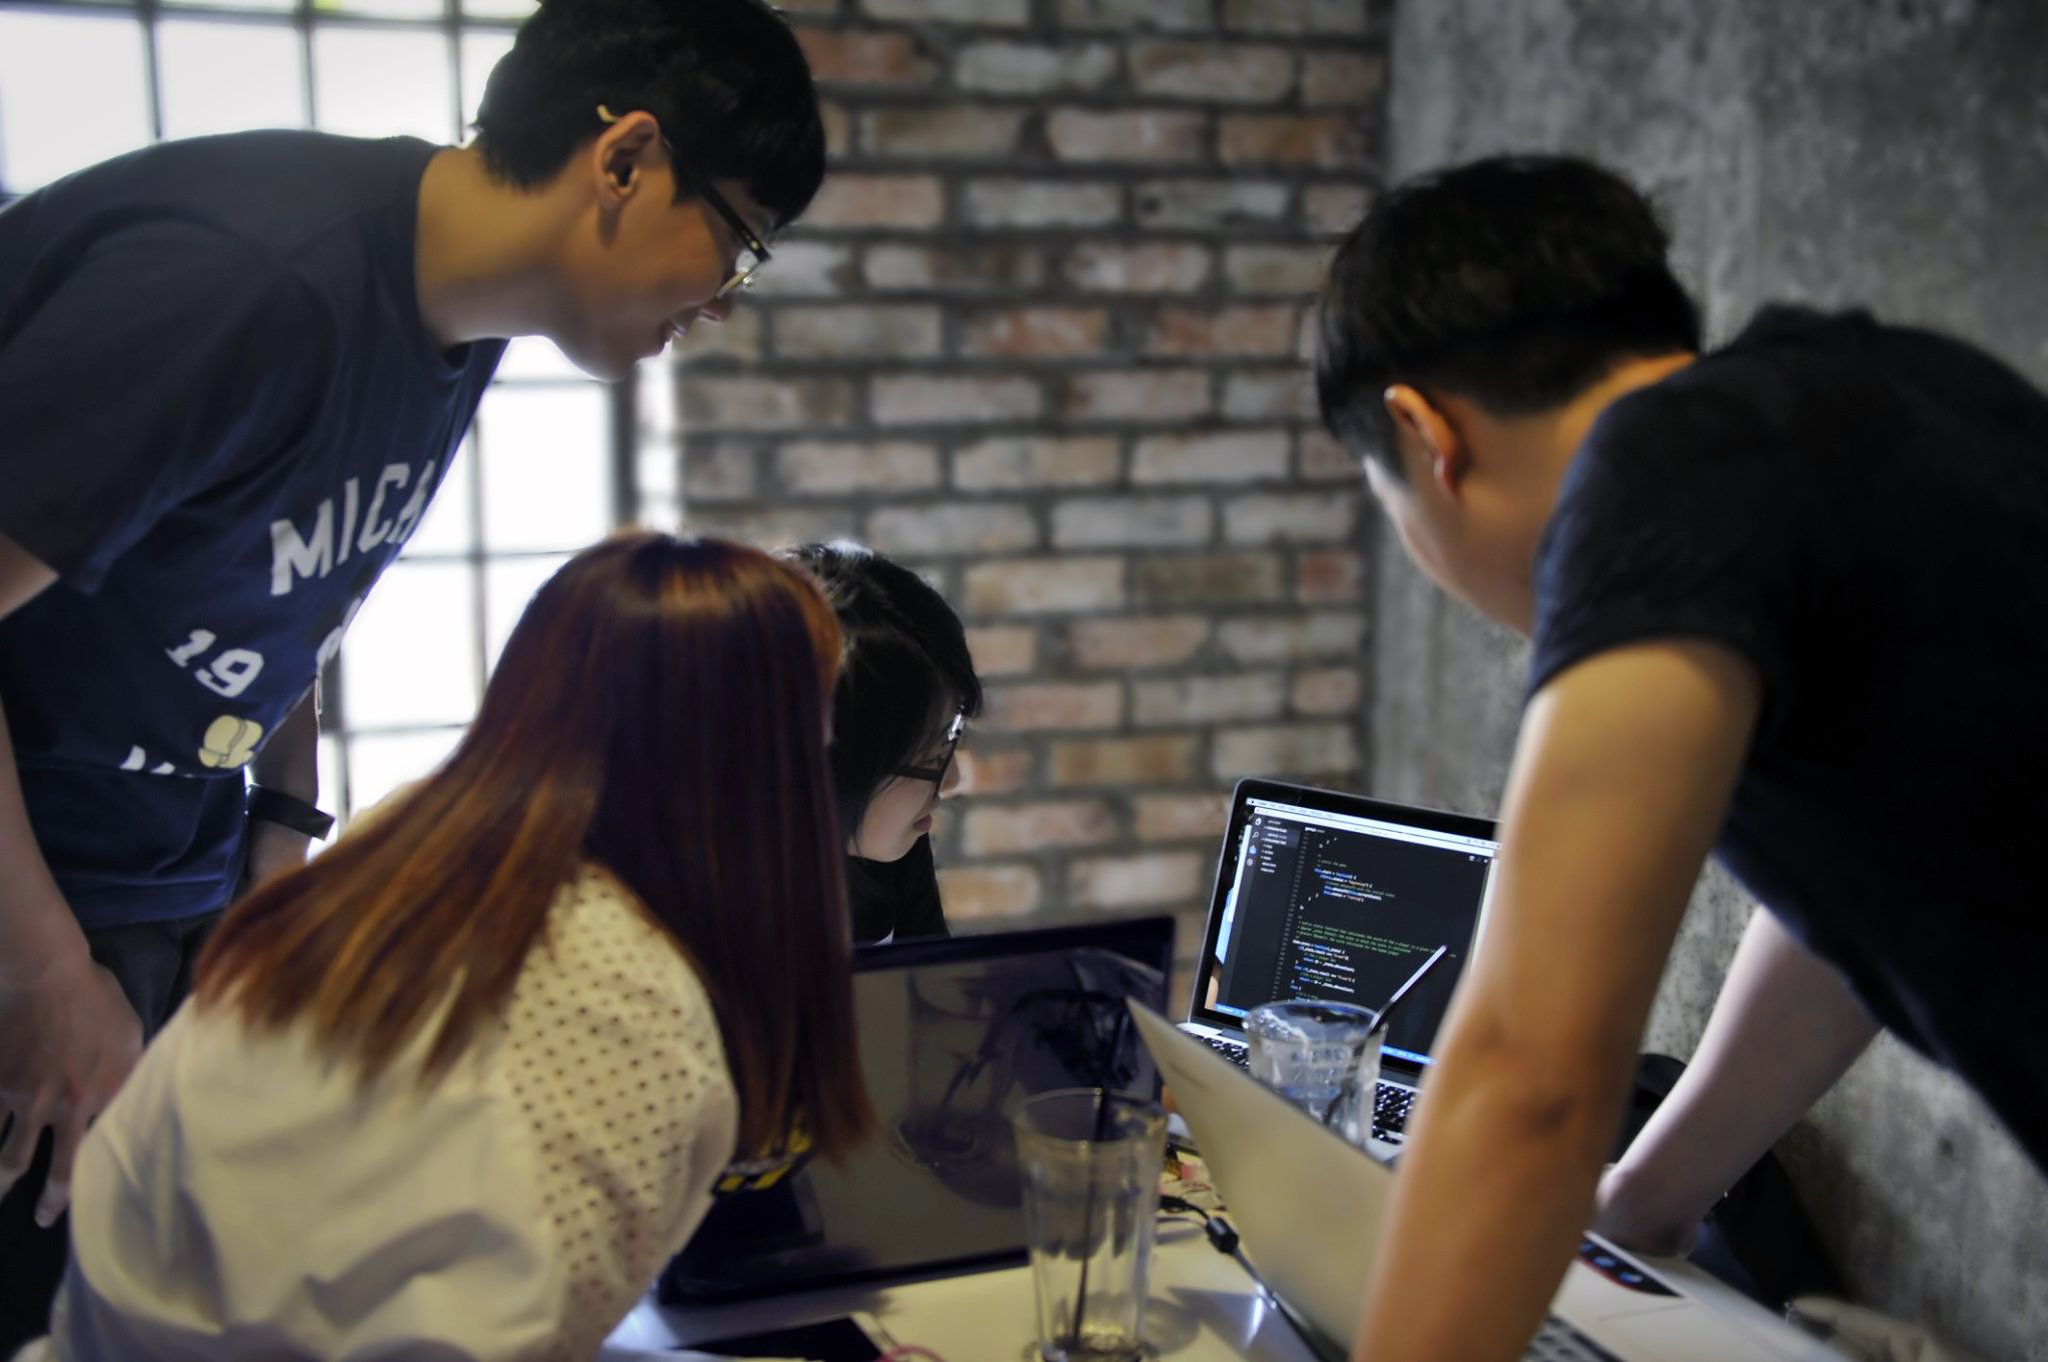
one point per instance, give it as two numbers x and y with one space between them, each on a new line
550 464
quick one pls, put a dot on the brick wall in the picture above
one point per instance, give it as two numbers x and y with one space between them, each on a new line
1040 338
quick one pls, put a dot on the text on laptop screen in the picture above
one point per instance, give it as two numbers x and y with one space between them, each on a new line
1337 908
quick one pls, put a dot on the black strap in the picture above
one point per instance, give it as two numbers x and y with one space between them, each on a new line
275 806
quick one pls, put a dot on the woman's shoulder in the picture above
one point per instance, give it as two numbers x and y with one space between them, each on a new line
606 950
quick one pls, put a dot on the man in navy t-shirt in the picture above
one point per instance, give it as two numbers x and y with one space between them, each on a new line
1783 598
233 371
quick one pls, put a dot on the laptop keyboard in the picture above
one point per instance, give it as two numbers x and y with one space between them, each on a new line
1557 1341
1390 1105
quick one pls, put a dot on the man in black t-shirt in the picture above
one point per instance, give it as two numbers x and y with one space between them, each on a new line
233 371
1784 599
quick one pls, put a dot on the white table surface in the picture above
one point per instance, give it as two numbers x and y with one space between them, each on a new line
1202 1307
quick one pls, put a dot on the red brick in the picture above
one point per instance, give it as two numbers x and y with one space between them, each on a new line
1292 271
1004 830
772 526
972 527
735 402
737 337
1269 395
1333 209
1002 771
1157 267
853 201
1226 73
1006 462
1209 204
1288 638
1029 69
1003 649
1262 331
949 130
722 470
809 6
1131 522
1335 79
1330 141
1178 818
972 269
1043 586
1289 518
1126 135
850 57
1165 15
1186 701
988 891
1140 881
1327 690
1294 16
1208 578
860 331
1007 13
1095 762
909 400
1032 707
1330 576
831 468
1156 395
838 130
1319 457
1218 457
1035 332
1127 643
1325 749
806 269
1043 203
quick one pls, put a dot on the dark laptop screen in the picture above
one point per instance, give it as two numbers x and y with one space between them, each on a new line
1339 899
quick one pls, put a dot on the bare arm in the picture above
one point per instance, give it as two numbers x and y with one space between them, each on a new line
290 764
1620 783
67 1035
1784 1029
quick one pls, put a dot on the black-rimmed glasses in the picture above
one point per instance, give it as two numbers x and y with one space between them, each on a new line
743 272
937 772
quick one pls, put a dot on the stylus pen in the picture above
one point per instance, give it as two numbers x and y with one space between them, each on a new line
1379 1023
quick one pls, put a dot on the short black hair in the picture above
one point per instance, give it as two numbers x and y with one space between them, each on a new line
1515 281
725 79
906 670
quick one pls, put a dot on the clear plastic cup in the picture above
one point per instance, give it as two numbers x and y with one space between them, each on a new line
1091 1165
1323 1057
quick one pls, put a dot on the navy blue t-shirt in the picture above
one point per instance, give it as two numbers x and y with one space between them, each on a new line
221 415
1861 511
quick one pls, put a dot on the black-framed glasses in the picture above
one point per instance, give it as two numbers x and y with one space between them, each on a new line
937 772
743 272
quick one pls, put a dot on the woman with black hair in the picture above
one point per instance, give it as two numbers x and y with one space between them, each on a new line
906 692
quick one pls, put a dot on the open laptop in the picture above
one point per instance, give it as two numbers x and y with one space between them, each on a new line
1310 1210
953 1034
1338 898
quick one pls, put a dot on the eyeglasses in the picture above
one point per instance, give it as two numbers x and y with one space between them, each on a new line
937 774
743 272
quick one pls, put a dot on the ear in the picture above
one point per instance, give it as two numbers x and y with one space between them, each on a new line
1420 423
620 155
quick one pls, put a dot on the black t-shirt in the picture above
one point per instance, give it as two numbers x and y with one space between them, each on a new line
895 900
1861 511
221 416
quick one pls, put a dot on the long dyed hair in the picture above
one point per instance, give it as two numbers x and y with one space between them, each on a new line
660 709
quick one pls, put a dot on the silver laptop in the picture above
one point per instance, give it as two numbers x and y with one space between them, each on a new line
1338 898
1310 1210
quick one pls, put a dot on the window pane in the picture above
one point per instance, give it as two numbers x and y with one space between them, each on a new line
240 4
500 9
55 117
537 357
403 9
368 83
411 654
221 77
509 583
447 525
480 52
380 763
546 467
329 768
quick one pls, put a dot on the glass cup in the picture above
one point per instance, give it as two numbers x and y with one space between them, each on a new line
1090 1163
1323 1057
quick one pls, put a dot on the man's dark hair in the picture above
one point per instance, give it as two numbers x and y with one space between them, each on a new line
906 672
1516 282
724 78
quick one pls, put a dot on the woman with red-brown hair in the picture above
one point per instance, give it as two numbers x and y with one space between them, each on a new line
462 1085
